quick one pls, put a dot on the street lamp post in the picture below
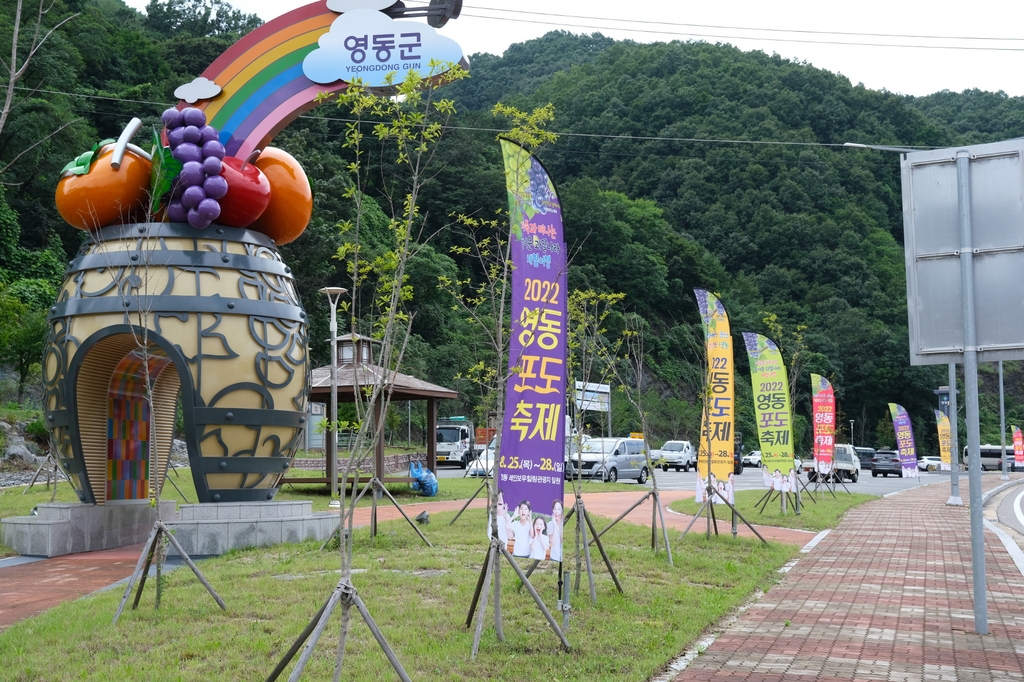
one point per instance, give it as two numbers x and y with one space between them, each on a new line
333 294
851 432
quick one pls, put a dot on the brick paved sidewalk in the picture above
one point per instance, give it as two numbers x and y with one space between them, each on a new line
885 596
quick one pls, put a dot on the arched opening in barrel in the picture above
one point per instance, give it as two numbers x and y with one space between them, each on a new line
135 421
111 429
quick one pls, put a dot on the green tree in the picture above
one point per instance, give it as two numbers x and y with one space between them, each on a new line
22 344
198 18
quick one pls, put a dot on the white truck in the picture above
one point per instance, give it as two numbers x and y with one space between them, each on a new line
455 441
677 454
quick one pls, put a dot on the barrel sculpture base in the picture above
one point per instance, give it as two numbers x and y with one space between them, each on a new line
202 529
70 527
213 529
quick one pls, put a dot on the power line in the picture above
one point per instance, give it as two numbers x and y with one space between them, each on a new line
692 34
631 138
744 28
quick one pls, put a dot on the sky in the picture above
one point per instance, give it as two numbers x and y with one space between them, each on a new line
902 46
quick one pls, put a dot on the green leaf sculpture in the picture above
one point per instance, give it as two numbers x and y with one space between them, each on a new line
82 163
165 169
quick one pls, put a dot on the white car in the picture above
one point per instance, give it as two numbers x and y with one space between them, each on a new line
677 454
752 459
929 463
484 463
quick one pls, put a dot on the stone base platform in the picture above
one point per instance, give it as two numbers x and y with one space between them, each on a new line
60 528
212 529
202 529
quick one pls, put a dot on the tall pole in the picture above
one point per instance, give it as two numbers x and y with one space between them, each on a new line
954 443
332 443
1002 427
610 415
963 170
333 295
851 432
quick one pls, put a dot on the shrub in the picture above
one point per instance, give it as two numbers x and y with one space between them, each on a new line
38 432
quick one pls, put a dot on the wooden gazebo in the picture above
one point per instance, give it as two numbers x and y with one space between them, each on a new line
356 370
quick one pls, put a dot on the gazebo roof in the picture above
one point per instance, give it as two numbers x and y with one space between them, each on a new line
404 387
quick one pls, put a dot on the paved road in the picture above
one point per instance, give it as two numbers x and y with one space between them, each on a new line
752 480
1011 510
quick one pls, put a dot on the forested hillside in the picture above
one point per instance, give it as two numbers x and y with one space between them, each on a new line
679 165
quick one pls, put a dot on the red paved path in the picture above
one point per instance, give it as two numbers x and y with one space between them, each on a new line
885 596
28 589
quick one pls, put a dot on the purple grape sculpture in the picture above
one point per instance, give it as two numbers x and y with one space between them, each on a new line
199 184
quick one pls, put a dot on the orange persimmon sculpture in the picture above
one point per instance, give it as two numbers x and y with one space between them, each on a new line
94 192
291 199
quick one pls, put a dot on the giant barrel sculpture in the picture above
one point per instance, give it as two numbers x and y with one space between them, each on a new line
210 320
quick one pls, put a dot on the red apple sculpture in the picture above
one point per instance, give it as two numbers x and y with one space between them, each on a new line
248 193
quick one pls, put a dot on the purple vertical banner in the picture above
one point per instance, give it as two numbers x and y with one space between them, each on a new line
904 440
531 459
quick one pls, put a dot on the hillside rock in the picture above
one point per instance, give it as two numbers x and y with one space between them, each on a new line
18 449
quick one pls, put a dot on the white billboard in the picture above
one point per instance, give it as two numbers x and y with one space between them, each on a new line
593 397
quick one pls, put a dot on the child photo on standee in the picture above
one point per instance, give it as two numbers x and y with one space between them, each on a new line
539 542
521 529
503 519
555 530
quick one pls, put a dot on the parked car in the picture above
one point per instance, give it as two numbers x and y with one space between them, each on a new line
886 462
611 459
482 465
752 459
929 463
845 464
678 454
865 455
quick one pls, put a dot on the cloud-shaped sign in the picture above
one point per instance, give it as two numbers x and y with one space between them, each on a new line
369 45
200 88
349 5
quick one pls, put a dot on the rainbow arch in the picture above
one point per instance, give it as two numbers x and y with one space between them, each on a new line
262 85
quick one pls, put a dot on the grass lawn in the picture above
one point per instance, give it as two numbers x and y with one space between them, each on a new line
14 503
419 598
826 513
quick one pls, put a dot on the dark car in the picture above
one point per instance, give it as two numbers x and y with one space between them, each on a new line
886 462
865 455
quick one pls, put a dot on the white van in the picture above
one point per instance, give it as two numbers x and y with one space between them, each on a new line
611 459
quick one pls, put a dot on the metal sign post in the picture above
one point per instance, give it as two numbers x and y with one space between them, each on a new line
1002 428
963 184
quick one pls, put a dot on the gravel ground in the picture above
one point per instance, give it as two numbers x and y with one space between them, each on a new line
11 478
